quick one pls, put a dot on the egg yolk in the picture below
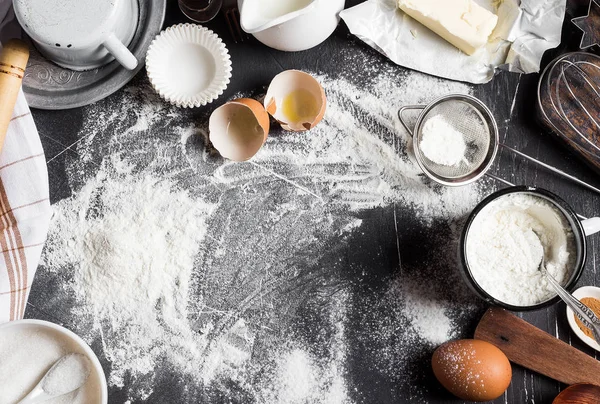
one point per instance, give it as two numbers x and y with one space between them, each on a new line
300 106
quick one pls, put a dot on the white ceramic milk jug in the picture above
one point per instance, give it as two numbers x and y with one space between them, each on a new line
290 25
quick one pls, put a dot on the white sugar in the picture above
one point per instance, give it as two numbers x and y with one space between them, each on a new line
25 357
68 374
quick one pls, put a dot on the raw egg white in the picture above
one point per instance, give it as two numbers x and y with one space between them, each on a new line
296 100
471 369
239 128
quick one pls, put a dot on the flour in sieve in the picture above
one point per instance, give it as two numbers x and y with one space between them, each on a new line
441 143
255 250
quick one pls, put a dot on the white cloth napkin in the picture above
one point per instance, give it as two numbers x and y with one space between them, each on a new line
24 198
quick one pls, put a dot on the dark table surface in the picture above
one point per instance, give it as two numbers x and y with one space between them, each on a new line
253 67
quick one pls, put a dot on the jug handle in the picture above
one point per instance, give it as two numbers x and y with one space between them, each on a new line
120 52
591 226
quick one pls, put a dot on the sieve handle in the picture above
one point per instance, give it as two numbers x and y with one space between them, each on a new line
551 168
404 109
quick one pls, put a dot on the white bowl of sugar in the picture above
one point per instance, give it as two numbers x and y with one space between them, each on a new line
28 348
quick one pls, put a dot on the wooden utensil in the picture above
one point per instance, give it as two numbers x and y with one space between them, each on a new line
537 350
13 60
579 394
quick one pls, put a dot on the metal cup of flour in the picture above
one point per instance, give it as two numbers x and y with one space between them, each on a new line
575 231
81 34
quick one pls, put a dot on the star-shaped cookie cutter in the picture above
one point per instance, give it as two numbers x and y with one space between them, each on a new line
590 25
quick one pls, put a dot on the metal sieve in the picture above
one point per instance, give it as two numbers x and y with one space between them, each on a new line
474 120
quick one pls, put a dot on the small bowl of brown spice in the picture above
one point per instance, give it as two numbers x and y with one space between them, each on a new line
590 296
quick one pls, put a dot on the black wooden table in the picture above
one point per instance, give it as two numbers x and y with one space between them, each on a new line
253 67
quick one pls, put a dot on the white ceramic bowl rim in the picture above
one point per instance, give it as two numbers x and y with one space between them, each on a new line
77 339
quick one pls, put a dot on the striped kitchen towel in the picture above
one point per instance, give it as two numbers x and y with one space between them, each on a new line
24 200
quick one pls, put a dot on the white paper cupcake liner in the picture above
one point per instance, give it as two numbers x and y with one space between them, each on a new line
188 65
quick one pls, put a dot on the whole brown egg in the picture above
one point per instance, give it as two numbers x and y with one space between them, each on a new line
471 369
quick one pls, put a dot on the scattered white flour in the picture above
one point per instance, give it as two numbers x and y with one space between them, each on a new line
427 316
506 242
26 354
299 377
184 266
441 143
68 374
360 155
133 241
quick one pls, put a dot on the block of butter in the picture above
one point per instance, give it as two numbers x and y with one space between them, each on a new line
463 23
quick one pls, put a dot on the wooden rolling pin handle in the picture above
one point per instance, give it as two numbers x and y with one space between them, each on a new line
13 60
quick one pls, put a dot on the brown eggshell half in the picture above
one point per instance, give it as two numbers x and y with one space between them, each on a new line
285 83
239 128
471 369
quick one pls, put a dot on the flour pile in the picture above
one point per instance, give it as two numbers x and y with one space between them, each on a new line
214 281
441 143
133 241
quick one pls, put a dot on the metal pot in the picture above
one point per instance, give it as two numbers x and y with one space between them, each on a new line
81 34
580 228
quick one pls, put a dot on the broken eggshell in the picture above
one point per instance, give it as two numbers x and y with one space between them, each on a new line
239 128
296 100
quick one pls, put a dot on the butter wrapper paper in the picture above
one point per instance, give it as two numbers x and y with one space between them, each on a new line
525 30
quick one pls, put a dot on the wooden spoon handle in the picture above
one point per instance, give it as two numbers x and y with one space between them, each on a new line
13 60
579 394
537 350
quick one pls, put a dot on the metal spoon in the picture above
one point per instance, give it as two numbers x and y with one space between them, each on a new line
583 312
75 369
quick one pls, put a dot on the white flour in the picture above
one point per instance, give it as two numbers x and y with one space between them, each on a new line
133 241
200 267
505 245
427 315
441 143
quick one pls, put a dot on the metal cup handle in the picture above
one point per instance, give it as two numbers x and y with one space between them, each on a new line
402 121
120 52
